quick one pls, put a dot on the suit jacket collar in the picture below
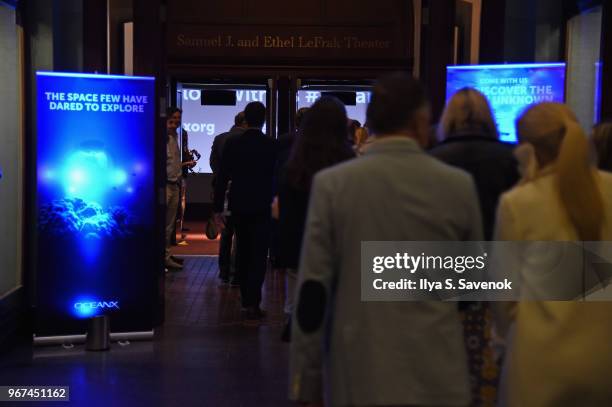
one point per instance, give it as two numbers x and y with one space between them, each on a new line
393 144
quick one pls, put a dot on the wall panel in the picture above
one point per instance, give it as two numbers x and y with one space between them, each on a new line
10 154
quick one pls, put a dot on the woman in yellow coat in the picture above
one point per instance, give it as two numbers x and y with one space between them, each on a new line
559 353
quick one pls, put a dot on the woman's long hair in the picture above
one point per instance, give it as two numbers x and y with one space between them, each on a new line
467 113
321 142
558 139
362 137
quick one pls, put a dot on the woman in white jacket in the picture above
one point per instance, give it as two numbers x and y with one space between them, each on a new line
559 353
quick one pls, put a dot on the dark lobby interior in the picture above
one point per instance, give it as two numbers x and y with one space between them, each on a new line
235 203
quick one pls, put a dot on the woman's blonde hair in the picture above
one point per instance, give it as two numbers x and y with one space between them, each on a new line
361 136
467 113
558 139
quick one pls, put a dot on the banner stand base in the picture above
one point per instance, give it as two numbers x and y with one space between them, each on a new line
79 339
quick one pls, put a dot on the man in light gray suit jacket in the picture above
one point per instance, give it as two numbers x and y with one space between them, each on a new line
353 353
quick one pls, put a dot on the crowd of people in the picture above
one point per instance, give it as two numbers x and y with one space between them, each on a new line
332 183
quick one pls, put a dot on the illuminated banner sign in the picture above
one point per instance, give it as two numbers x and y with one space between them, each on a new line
95 202
510 89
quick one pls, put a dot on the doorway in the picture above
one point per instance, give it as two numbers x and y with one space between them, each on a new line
209 107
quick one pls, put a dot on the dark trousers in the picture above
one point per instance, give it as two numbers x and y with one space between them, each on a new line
225 249
253 238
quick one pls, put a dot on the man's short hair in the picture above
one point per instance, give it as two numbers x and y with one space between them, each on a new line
239 119
299 116
171 110
395 100
255 114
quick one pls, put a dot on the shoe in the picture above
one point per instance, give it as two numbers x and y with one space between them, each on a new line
177 260
182 243
171 264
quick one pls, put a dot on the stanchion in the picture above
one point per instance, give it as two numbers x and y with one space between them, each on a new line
98 334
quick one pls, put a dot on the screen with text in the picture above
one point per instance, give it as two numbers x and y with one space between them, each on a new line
510 89
203 122
357 111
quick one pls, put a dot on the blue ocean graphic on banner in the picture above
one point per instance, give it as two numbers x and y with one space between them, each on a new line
96 201
510 89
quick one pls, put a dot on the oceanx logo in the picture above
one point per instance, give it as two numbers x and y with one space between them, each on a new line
94 305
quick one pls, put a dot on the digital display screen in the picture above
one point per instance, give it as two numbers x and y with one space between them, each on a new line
203 122
356 111
510 89
96 201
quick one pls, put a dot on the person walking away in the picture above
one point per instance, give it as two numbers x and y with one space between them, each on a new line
470 141
558 352
354 353
321 143
248 161
227 233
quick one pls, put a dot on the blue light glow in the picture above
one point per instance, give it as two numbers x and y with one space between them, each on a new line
87 306
47 174
598 74
139 168
83 312
88 175
119 177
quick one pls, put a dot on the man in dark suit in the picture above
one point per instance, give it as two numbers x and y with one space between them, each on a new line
248 162
227 234
216 150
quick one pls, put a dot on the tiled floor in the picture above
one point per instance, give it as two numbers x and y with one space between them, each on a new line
202 356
